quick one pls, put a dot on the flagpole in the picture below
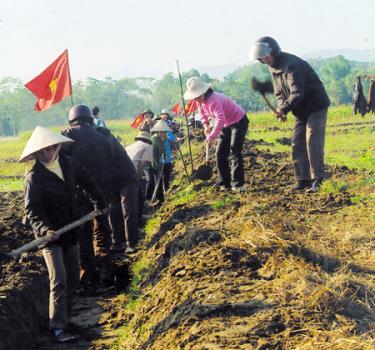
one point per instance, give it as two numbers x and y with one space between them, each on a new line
70 78
186 119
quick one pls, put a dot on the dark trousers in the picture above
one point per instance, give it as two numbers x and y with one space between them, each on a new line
124 215
141 197
87 253
102 235
167 171
94 247
229 147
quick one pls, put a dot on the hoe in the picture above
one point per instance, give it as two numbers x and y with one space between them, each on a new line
45 239
264 88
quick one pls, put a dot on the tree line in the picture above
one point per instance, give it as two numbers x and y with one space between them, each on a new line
127 97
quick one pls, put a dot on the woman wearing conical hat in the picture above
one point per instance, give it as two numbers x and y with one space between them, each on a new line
169 141
159 136
50 203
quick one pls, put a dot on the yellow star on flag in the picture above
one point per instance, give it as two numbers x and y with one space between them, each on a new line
53 85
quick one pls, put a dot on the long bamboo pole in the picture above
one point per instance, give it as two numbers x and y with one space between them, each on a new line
185 114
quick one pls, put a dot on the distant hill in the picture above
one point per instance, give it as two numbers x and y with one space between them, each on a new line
350 54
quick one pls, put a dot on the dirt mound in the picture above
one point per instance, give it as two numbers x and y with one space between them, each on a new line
267 269
23 287
24 292
252 271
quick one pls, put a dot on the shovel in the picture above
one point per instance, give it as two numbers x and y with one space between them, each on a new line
46 239
204 171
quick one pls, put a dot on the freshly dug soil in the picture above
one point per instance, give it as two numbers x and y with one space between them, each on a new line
24 292
23 283
247 271
221 271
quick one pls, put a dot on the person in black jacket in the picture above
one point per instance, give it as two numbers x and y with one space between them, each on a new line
371 96
51 194
359 100
299 90
93 151
123 209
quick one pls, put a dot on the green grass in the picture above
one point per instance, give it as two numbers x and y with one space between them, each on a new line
12 147
341 114
11 185
182 197
352 148
138 270
362 190
350 145
152 225
12 171
123 129
334 187
345 144
221 203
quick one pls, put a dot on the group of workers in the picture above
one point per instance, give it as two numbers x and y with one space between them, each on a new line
82 169
86 167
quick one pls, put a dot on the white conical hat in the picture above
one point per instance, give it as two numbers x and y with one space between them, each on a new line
161 125
39 139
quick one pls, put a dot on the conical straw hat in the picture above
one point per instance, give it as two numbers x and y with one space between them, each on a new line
143 136
161 125
39 139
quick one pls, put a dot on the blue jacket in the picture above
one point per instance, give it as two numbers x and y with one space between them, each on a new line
171 137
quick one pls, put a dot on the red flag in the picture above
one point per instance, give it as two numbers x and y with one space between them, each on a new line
176 109
191 107
137 121
53 84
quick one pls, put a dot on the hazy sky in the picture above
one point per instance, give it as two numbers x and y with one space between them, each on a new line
106 38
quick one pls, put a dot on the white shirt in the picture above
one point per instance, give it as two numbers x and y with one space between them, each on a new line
140 152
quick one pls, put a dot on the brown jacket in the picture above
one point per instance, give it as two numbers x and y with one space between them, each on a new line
297 87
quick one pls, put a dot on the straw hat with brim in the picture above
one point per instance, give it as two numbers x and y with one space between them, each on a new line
161 125
39 139
144 136
195 87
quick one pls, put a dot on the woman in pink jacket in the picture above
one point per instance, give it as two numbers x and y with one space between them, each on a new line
231 126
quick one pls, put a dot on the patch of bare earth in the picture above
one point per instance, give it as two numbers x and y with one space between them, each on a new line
268 269
24 293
